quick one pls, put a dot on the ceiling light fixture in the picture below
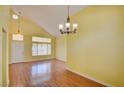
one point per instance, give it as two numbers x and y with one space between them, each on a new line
14 16
18 36
67 28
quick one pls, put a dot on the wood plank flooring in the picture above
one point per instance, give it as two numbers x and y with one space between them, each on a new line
51 73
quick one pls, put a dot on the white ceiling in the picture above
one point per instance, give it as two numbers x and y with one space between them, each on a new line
47 16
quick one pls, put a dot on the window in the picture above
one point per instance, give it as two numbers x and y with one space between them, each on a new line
41 39
17 37
41 46
49 49
42 49
34 49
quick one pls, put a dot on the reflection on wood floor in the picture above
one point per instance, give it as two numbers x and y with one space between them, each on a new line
51 73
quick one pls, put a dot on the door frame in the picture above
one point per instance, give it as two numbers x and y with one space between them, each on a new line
0 58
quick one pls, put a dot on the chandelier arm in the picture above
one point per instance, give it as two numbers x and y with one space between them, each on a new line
68 31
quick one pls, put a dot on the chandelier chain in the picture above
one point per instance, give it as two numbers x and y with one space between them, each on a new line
19 13
68 10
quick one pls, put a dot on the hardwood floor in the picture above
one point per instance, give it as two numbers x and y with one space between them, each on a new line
50 73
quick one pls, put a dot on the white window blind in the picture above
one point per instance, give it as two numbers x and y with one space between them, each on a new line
41 49
49 49
34 49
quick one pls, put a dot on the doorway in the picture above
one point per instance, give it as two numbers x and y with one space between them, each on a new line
17 52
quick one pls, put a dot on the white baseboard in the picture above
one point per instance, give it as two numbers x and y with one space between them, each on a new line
33 61
61 60
108 85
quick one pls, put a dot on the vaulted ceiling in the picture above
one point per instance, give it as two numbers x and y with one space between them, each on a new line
47 16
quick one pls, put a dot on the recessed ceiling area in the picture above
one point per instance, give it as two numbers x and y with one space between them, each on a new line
47 16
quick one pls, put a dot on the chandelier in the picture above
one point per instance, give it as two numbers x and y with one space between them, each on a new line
66 28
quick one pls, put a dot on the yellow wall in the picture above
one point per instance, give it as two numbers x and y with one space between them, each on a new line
29 29
61 45
4 23
0 58
97 49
